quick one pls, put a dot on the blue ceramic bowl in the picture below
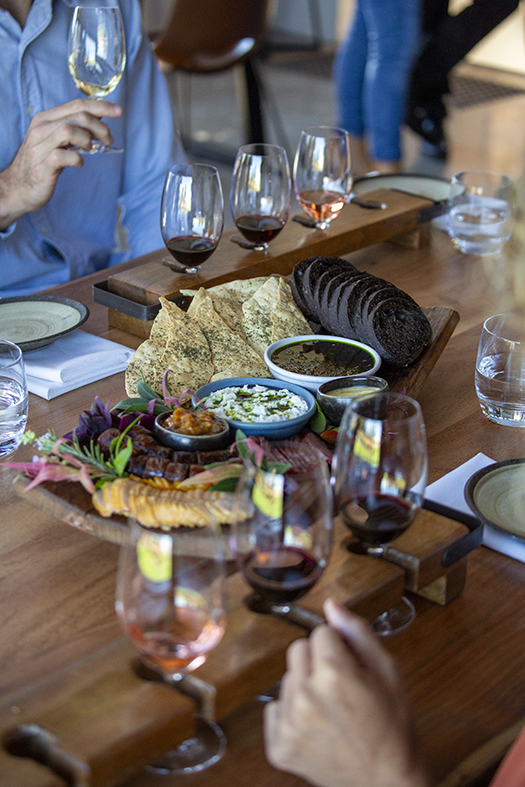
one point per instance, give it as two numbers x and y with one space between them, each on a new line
275 430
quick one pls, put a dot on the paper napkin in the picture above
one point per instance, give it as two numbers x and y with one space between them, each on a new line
73 361
449 491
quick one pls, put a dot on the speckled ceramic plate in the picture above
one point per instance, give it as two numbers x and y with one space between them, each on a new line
33 321
496 494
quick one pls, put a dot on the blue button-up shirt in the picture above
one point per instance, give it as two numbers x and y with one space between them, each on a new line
74 234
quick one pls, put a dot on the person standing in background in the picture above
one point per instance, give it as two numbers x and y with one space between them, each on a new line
58 208
447 40
371 72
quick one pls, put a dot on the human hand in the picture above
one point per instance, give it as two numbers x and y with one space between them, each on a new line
342 718
29 181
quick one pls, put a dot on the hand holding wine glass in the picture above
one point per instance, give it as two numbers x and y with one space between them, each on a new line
323 173
282 535
97 55
380 474
170 602
260 194
192 215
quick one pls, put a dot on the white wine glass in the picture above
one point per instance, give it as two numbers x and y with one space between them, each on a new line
323 173
260 195
379 473
191 215
170 601
97 56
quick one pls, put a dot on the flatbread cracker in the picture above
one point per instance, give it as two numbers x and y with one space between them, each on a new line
145 365
229 349
257 310
287 318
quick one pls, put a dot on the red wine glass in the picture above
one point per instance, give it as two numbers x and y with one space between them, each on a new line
282 535
323 173
192 215
379 473
170 602
260 195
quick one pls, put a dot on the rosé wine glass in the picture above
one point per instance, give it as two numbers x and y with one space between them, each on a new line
170 602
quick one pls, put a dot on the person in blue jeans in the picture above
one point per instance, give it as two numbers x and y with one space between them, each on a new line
372 72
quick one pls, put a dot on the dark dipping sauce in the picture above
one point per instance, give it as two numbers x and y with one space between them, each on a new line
323 359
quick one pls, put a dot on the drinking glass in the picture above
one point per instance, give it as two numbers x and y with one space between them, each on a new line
479 215
97 56
379 473
323 173
13 397
282 535
191 215
500 369
260 194
170 602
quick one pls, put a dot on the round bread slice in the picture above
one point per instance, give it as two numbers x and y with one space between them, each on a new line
296 284
400 331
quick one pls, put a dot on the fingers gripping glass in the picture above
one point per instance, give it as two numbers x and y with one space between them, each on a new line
97 57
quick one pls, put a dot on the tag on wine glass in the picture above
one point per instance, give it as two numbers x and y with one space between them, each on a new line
154 557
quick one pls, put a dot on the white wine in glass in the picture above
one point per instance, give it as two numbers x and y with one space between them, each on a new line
323 173
97 55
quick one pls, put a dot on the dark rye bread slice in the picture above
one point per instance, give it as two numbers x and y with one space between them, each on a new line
296 284
313 273
340 278
350 305
338 294
400 330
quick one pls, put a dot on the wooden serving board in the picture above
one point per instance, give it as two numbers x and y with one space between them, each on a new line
354 229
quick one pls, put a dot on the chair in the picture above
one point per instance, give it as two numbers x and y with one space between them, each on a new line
207 36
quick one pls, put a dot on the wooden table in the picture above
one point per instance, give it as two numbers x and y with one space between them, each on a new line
464 663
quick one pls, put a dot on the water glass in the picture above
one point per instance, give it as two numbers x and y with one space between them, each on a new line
13 397
500 369
478 210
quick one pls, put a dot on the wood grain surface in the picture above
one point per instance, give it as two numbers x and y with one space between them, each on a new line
464 662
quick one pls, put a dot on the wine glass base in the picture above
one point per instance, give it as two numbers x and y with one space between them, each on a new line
395 619
177 267
322 225
201 751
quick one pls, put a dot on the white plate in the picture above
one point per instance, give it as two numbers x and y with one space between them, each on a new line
33 321
428 187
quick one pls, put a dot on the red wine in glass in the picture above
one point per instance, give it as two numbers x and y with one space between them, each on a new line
377 518
191 215
191 250
281 575
259 229
260 194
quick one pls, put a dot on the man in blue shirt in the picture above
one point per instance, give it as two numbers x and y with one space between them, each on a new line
58 209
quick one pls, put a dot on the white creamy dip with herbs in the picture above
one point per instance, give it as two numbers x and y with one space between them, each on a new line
255 404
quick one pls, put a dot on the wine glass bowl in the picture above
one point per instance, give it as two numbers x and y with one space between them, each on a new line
170 602
192 215
282 534
323 173
260 194
379 474
97 55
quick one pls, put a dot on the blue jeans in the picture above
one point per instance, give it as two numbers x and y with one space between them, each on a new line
372 71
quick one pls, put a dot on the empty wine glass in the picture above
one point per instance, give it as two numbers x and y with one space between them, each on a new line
282 535
191 215
13 397
323 173
170 602
97 56
379 473
260 194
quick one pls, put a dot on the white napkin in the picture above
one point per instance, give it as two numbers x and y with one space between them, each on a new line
73 361
449 491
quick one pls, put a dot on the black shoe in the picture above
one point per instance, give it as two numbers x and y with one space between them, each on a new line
428 123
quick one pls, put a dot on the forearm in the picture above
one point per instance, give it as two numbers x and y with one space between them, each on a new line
11 200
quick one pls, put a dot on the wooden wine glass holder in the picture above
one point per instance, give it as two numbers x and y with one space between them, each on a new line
136 291
102 721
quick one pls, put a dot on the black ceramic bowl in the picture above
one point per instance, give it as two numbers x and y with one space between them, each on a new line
334 406
191 442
